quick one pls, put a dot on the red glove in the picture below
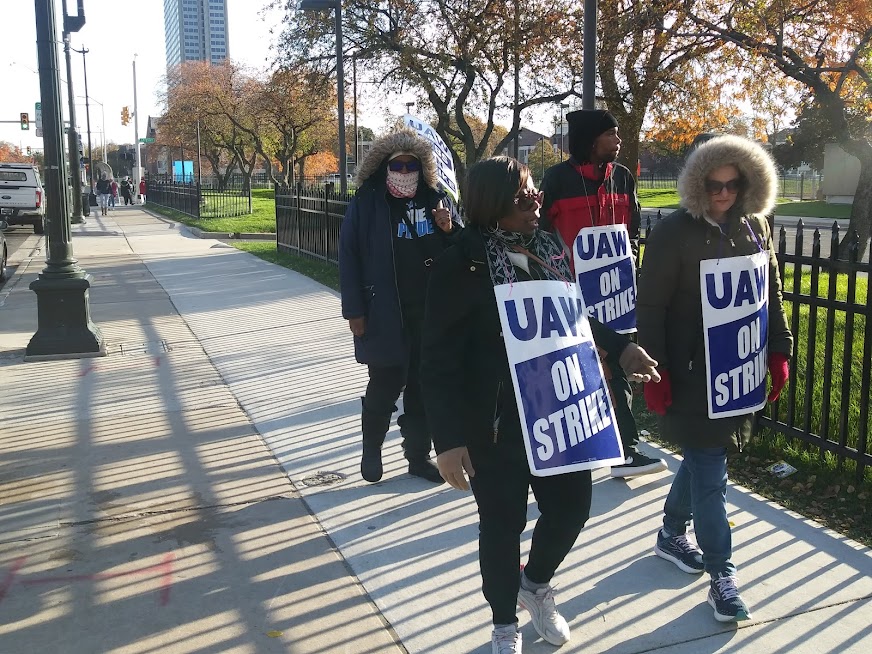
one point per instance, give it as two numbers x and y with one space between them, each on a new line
778 370
658 396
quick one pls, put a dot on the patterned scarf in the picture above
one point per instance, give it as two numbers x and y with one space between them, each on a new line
498 243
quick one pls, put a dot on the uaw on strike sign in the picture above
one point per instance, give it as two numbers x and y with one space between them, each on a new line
606 275
735 317
567 416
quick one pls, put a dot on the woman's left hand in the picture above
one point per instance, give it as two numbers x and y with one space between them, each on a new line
452 464
443 218
638 365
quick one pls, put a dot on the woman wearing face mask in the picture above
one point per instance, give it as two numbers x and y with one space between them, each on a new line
470 398
394 229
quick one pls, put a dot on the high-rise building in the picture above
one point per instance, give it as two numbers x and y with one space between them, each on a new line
196 30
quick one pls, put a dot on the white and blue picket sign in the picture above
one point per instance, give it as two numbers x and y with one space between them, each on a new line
735 317
444 161
567 416
606 275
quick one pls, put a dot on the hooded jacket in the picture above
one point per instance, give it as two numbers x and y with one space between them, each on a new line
367 269
669 310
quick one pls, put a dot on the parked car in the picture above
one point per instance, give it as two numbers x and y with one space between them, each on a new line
4 252
22 197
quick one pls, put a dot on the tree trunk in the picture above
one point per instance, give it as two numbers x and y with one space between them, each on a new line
861 212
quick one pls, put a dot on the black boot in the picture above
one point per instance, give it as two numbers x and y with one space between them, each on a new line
375 428
416 448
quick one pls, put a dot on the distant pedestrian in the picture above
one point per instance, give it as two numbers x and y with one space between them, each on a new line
393 230
104 192
142 189
590 192
127 191
470 396
710 386
114 196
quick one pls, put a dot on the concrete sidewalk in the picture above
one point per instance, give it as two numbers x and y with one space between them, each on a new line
146 503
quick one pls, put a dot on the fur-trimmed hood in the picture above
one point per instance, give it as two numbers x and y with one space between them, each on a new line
402 140
755 166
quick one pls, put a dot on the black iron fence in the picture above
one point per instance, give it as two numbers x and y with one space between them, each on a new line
795 186
829 304
308 220
199 200
825 404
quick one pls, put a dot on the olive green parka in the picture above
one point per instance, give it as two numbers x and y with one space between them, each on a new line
669 311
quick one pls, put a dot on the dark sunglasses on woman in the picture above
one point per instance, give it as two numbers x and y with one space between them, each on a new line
409 166
714 187
528 199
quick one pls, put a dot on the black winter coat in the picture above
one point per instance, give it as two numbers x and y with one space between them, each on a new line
670 319
368 275
465 377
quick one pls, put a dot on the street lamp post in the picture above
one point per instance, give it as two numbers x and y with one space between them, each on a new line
562 130
137 177
588 80
103 116
83 52
64 326
336 6
73 142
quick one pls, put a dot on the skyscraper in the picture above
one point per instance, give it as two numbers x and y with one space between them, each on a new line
196 30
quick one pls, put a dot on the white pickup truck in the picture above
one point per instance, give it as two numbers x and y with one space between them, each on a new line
22 198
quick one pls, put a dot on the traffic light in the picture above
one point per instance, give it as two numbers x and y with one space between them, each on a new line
28 151
25 121
125 116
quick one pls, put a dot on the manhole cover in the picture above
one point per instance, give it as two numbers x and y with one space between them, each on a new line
323 479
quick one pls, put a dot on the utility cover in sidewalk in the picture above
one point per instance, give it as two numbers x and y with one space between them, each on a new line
323 479
151 347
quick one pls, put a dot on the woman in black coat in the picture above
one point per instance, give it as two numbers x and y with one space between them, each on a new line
393 230
470 401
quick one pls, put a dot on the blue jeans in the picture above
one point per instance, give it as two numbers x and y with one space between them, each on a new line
699 493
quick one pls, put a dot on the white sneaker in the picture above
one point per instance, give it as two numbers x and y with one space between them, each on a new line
546 620
506 640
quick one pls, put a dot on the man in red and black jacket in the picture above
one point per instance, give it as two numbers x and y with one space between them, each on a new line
591 189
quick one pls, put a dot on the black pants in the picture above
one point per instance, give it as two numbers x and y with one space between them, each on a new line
623 393
500 485
383 390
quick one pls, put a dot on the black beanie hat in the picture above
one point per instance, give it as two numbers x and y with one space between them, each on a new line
584 127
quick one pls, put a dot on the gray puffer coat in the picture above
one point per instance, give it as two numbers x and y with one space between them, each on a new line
669 312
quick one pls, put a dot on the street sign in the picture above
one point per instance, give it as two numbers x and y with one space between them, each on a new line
146 140
38 112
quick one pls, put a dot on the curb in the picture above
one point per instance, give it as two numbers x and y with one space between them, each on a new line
196 232
242 236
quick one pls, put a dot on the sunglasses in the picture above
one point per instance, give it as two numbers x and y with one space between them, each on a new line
409 166
528 199
714 187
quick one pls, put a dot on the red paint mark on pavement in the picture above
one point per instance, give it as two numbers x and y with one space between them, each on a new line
157 361
86 370
10 576
166 582
164 568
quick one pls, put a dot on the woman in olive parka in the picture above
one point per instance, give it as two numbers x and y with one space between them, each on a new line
727 188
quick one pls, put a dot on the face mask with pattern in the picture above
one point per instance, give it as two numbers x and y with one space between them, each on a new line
402 184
